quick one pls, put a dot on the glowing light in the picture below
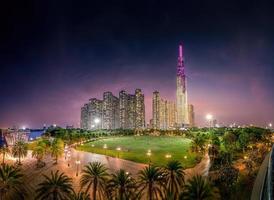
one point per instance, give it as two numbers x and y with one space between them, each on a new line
118 148
97 120
270 124
185 157
24 128
168 156
209 117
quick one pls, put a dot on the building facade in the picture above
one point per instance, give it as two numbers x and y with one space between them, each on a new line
181 92
191 115
125 112
163 113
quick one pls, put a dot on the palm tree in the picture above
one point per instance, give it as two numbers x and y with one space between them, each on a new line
11 183
57 148
151 182
39 152
174 178
94 174
199 188
122 185
4 151
20 149
79 196
56 187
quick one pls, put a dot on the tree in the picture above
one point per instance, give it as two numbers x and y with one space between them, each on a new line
227 177
20 150
79 196
229 140
57 148
121 185
11 183
39 152
199 188
4 150
151 182
94 174
174 178
198 143
55 187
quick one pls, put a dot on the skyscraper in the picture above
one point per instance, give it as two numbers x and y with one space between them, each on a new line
156 100
191 115
163 112
124 109
84 117
140 109
95 110
181 92
110 111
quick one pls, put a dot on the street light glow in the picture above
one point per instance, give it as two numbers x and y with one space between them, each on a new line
97 120
209 117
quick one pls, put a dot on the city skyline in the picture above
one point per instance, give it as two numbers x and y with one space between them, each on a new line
54 58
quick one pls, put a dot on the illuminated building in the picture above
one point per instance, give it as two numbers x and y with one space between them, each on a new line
126 112
156 100
140 109
84 117
164 112
95 110
191 115
181 92
110 111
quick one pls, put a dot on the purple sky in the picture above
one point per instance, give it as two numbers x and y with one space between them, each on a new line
54 58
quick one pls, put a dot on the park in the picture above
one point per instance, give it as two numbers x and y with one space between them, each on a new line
144 149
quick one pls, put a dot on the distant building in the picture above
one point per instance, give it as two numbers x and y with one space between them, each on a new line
111 116
84 117
164 112
95 110
191 115
181 92
126 112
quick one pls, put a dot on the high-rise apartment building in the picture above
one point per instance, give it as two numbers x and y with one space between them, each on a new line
95 112
163 112
140 109
111 114
84 117
181 92
191 115
156 104
126 112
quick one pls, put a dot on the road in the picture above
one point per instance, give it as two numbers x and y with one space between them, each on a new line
33 175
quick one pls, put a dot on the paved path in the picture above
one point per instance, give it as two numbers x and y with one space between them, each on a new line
33 175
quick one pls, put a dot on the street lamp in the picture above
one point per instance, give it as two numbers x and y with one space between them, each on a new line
105 147
149 155
77 162
168 156
209 118
118 149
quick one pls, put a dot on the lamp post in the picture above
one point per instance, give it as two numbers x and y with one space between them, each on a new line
118 150
105 147
77 162
168 156
149 156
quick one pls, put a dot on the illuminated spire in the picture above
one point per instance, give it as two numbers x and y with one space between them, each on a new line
180 66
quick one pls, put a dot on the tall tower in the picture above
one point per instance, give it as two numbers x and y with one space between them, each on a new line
181 91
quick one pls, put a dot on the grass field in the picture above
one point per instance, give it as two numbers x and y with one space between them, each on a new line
135 148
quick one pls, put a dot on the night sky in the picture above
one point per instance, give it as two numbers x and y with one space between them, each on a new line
55 55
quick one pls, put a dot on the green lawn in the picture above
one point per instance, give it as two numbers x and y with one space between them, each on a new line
135 148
